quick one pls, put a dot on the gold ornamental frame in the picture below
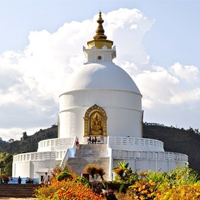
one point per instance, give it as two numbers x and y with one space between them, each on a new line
88 114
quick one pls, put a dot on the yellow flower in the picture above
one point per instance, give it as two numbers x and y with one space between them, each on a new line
197 194
152 183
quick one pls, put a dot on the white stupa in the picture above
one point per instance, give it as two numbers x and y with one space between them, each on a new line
101 101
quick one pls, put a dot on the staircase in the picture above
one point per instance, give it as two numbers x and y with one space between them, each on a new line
17 190
90 154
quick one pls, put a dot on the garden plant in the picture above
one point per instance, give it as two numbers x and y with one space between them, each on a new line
179 184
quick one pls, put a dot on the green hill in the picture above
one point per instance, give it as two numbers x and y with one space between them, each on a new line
29 143
175 140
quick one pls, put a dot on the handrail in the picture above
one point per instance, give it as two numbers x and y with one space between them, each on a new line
109 154
65 159
70 152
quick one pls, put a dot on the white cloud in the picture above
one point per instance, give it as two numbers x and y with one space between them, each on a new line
172 86
157 87
16 133
186 96
7 134
188 73
127 29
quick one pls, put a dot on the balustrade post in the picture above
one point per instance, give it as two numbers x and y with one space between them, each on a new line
156 160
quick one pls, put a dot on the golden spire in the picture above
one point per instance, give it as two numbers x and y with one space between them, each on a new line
100 39
100 30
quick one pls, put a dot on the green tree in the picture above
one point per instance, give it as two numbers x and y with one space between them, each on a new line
24 135
6 160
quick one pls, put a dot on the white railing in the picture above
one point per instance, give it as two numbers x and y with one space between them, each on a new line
33 156
109 154
135 143
70 152
55 144
147 155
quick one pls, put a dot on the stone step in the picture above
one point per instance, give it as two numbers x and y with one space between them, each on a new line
16 190
89 150
90 154
78 164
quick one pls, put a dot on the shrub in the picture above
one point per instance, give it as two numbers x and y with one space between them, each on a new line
63 176
90 169
5 178
47 191
186 175
97 187
66 190
157 177
94 170
123 172
132 178
80 179
122 188
110 195
142 190
101 172
185 192
57 170
119 172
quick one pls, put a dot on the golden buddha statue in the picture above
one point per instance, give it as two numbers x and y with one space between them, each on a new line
96 127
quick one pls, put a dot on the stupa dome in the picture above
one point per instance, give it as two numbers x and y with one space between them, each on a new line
105 75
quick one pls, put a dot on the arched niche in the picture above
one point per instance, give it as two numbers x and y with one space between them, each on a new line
95 122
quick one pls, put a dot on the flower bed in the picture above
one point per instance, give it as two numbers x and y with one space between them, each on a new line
178 184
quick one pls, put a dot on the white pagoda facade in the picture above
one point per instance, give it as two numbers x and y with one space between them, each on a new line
102 101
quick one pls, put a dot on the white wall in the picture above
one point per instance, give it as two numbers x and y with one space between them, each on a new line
144 160
107 98
143 165
30 168
21 169
122 108
36 166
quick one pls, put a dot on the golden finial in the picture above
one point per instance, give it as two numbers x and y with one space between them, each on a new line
100 39
100 31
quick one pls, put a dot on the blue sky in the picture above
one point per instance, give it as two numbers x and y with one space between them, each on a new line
174 35
166 53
